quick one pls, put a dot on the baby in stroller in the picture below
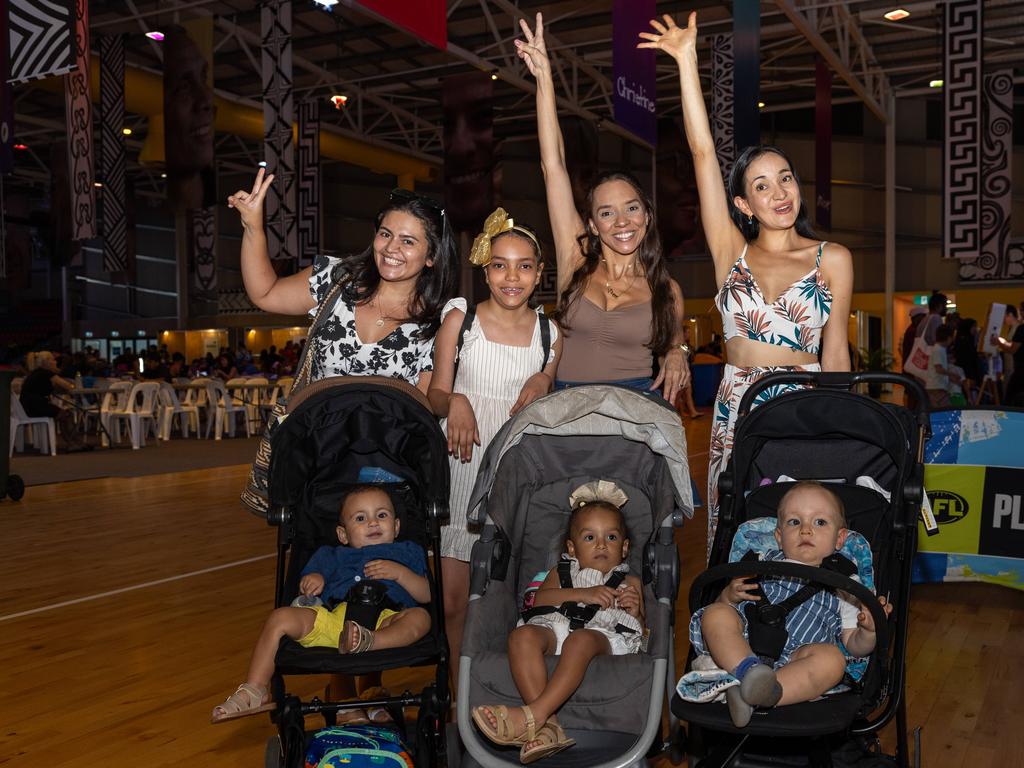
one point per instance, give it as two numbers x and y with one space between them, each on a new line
331 580
589 605
810 530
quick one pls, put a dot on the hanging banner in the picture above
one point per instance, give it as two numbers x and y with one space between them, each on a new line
427 19
746 31
41 38
822 143
203 248
6 110
467 104
722 68
189 114
974 478
961 90
634 80
999 259
78 108
278 116
112 153
309 181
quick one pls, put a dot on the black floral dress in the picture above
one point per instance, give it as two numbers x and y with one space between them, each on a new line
337 350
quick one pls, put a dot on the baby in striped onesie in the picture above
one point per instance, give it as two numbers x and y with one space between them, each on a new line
811 526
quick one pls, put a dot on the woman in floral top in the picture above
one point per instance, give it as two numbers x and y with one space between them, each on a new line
390 309
762 245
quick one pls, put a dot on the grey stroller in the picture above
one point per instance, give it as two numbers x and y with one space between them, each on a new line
521 500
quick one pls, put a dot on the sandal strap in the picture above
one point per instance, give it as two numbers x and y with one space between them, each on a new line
253 693
531 723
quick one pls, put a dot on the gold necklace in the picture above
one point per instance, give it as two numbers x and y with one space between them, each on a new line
381 317
608 283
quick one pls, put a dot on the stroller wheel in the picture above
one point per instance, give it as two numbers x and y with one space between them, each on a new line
677 747
273 756
432 750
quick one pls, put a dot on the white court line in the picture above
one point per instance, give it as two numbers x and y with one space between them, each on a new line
134 587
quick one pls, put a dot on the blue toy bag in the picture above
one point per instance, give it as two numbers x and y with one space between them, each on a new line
357 746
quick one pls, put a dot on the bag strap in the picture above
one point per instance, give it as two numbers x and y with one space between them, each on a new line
323 311
467 324
545 339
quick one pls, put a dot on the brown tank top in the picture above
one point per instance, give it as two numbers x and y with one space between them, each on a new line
602 345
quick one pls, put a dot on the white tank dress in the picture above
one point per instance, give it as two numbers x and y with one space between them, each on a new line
491 376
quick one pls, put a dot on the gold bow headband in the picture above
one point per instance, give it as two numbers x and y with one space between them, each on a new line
496 224
598 490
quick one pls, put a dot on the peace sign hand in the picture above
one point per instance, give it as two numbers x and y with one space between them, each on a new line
250 204
533 51
672 39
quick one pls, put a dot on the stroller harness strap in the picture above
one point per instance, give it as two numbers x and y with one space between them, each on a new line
766 622
467 324
366 601
578 615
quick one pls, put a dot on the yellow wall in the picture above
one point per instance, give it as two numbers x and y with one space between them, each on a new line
197 343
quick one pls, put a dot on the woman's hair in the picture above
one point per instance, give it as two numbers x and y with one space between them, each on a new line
435 284
663 321
35 360
737 188
597 504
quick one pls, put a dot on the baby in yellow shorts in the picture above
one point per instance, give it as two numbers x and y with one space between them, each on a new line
366 531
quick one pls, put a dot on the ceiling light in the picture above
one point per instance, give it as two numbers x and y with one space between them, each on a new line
325 3
97 183
154 35
760 105
494 77
21 147
339 100
896 14
126 131
163 175
935 83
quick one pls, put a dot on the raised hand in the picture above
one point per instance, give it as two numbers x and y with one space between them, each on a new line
533 51
250 204
670 38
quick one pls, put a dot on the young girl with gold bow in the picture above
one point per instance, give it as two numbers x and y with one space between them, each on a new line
498 370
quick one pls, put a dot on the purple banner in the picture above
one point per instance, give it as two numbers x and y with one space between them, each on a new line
633 71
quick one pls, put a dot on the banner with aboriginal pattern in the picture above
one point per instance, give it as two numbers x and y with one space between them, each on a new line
962 68
722 64
974 479
278 118
78 109
1001 258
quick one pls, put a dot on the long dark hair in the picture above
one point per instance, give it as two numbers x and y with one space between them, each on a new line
751 229
435 285
663 320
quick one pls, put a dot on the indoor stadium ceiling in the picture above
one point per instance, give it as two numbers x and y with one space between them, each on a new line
392 81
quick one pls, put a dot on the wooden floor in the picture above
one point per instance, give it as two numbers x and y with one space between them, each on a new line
128 608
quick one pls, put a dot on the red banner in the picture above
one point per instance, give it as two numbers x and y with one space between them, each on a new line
427 19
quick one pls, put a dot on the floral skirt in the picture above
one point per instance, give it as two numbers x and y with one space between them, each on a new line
735 382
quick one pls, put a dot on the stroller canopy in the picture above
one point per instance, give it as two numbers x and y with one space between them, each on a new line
597 410
338 427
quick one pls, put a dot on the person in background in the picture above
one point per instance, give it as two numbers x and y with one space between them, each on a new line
37 389
917 315
939 374
1012 346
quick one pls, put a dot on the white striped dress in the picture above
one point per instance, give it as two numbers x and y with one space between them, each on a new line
491 376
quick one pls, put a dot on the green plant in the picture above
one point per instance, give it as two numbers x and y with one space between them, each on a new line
875 360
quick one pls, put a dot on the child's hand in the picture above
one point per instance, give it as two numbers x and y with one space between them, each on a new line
536 386
601 595
462 430
385 569
629 600
312 584
250 204
739 590
866 621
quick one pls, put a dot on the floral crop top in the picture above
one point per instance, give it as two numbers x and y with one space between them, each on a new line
794 320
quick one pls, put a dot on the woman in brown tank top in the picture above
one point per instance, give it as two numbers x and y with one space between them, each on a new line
618 307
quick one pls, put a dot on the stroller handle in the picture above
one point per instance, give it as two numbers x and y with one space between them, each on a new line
841 381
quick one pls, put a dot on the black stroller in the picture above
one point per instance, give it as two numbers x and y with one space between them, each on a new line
336 433
521 498
830 434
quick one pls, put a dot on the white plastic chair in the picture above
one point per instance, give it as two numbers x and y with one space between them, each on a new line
227 411
285 383
16 385
141 413
115 400
43 430
170 407
248 394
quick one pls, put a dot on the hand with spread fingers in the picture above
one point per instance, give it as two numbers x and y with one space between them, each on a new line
250 204
674 40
